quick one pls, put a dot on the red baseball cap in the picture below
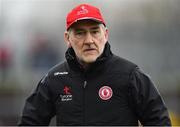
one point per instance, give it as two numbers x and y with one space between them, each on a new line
84 11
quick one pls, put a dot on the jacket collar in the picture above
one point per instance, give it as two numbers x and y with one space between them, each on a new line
72 61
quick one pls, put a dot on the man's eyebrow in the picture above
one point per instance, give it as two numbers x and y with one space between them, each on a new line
95 28
78 29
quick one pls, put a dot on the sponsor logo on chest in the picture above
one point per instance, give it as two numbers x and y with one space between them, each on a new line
67 95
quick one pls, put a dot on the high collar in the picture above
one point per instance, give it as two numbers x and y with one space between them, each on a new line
73 62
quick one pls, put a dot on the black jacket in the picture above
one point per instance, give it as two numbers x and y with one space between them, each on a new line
113 91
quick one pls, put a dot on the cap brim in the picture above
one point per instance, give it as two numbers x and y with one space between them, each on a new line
86 18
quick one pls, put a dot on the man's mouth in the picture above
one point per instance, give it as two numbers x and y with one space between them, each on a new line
90 50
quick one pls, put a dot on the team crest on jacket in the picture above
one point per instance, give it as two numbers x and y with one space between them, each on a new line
105 93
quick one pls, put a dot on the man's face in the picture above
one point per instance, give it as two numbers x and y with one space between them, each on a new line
88 39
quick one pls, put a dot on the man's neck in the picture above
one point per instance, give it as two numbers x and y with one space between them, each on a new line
83 64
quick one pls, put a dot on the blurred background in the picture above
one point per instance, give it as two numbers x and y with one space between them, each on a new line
146 32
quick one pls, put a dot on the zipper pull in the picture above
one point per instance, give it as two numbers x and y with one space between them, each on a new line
85 83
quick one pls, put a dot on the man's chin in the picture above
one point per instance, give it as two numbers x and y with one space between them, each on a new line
89 60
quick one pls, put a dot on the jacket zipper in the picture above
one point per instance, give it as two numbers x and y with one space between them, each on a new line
84 86
85 83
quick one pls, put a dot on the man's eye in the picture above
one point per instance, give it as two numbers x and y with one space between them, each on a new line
95 31
79 32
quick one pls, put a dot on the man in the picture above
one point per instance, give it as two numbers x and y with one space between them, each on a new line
94 86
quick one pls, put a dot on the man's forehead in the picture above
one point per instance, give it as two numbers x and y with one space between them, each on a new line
86 24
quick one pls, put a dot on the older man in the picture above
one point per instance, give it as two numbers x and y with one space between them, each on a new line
94 86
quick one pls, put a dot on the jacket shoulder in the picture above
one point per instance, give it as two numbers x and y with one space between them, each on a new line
58 69
122 65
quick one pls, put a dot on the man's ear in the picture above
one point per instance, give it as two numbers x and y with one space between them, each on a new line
106 34
67 39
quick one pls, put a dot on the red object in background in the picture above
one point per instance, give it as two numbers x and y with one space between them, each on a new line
4 56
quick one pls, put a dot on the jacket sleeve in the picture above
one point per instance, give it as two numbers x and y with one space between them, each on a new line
38 109
147 102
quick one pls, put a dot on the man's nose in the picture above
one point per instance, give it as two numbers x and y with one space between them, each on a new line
89 38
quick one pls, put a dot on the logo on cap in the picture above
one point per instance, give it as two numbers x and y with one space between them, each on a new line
105 93
82 11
